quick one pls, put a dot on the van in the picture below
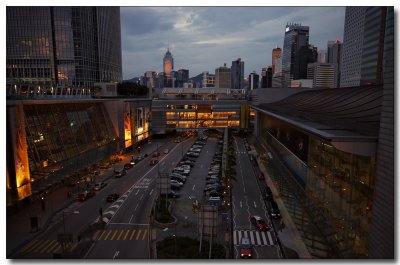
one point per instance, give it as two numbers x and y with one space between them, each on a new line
119 172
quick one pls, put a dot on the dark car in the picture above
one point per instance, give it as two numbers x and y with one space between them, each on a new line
153 162
259 223
156 154
128 166
112 197
275 212
246 250
83 196
268 194
261 176
172 194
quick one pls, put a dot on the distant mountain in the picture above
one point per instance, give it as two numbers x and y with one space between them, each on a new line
133 80
197 79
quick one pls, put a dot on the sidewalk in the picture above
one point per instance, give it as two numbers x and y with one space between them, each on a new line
290 237
18 224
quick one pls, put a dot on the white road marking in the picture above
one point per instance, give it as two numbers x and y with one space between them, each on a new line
241 205
131 219
151 192
141 197
116 254
137 192
255 205
193 186
136 207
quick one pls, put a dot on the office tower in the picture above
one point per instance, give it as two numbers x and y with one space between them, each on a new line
254 80
334 54
322 74
322 56
223 77
334 51
382 233
168 66
304 56
373 45
296 38
150 79
276 53
353 37
62 47
266 77
183 77
237 74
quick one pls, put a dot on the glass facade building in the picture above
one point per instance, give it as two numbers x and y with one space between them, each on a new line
324 150
296 37
49 47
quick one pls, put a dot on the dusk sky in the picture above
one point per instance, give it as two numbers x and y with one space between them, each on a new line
204 38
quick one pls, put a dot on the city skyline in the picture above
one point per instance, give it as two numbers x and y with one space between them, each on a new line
204 38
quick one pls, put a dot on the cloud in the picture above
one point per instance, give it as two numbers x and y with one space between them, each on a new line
203 38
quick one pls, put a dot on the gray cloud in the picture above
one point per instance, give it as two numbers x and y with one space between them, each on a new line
203 38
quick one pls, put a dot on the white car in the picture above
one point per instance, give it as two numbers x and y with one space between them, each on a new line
166 151
99 186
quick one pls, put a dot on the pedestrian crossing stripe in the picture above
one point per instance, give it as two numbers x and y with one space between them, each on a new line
257 238
42 246
116 234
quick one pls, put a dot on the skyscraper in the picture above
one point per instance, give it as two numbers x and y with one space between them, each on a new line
62 47
254 80
334 54
296 37
322 56
168 66
323 74
266 77
353 37
183 76
223 77
373 45
237 74
276 53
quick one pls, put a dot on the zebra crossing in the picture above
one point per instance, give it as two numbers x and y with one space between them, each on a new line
257 238
120 234
43 246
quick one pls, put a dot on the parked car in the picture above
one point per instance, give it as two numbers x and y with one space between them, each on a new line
171 194
259 222
83 196
261 176
112 197
268 194
246 250
99 186
166 151
177 182
275 212
153 162
119 172
128 166
156 154
179 179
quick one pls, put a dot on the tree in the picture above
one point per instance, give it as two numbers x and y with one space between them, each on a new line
132 89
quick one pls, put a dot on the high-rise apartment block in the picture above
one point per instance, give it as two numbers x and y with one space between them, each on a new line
223 77
237 74
50 47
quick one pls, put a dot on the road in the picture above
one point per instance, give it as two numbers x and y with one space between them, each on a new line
247 201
